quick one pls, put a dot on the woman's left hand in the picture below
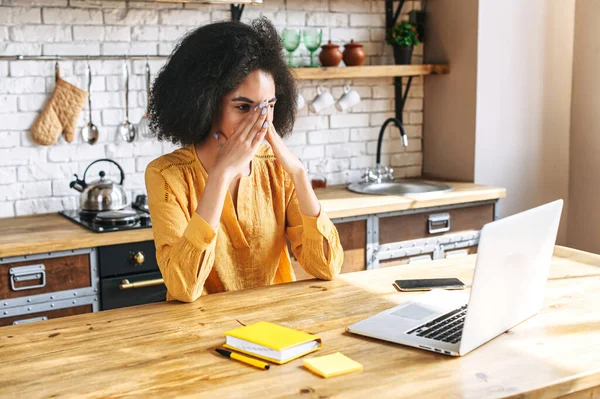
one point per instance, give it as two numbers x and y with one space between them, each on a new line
286 158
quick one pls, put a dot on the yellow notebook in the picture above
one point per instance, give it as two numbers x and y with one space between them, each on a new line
272 342
332 365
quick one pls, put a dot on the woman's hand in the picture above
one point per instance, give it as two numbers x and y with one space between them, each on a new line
236 152
286 158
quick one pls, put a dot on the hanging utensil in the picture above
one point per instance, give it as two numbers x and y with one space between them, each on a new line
127 129
56 71
144 124
90 133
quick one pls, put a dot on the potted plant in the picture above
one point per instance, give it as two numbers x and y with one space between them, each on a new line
403 37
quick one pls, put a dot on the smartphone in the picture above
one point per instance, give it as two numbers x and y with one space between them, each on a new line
427 284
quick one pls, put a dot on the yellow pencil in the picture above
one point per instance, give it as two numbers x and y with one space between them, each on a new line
244 359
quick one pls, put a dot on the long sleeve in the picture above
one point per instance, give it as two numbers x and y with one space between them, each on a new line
306 234
185 244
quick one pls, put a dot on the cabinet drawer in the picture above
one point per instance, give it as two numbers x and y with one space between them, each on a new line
432 224
44 275
113 296
118 260
457 253
353 236
425 258
40 316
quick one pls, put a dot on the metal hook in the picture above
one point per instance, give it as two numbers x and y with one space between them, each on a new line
56 71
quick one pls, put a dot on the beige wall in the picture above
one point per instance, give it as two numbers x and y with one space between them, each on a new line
450 100
584 190
524 74
502 116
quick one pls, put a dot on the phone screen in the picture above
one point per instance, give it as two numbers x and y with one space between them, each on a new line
429 284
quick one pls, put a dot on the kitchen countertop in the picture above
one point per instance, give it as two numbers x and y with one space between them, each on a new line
26 235
167 349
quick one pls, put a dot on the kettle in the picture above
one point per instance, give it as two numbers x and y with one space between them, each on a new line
102 194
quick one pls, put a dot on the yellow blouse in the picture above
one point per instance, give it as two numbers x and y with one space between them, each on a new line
249 248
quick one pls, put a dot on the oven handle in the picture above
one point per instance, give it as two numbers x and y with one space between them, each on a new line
127 285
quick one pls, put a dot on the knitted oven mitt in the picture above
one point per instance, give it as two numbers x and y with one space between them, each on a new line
60 114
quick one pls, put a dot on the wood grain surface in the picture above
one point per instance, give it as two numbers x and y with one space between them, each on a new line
167 349
27 235
369 71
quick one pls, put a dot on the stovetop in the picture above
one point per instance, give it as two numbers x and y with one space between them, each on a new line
86 219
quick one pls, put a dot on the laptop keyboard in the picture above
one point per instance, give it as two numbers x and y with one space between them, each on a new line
446 328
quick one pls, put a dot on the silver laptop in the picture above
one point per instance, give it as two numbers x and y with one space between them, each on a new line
513 260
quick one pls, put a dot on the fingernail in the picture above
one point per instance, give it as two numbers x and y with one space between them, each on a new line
264 111
255 108
216 135
265 124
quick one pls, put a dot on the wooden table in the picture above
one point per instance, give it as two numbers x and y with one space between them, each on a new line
26 235
167 349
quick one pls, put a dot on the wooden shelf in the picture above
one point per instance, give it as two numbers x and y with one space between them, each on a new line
369 71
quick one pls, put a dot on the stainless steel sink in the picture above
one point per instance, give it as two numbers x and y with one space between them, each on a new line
399 187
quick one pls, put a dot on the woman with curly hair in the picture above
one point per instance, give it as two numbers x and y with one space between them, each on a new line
223 204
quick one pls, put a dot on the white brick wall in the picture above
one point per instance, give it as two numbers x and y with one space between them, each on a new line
35 179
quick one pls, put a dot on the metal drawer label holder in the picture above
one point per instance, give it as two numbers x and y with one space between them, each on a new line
32 320
26 273
438 223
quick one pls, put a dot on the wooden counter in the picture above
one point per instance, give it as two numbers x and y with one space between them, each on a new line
167 349
52 232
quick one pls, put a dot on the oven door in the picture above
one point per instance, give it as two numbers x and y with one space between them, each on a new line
132 289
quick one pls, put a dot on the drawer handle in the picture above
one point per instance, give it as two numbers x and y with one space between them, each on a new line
126 285
32 320
439 223
138 258
26 273
457 254
419 259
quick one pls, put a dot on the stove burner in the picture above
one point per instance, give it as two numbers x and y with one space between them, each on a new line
116 218
87 215
101 222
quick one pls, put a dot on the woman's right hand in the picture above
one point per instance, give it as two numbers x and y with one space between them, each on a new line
236 152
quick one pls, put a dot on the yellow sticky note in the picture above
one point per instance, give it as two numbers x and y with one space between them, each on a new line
332 365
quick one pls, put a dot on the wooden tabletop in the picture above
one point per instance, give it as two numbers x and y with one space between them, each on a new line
167 349
27 235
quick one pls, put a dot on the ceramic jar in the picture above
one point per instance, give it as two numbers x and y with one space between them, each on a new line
330 55
354 54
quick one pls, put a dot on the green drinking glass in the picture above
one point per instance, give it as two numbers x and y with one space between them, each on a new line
291 41
312 41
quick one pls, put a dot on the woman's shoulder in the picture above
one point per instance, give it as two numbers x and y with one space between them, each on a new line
181 157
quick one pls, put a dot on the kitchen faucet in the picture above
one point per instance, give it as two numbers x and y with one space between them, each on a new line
384 173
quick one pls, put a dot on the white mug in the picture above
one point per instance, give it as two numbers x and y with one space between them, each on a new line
300 102
322 100
349 99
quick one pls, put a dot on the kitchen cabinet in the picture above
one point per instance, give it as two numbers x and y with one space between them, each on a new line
86 272
421 235
46 315
129 275
49 285
352 237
